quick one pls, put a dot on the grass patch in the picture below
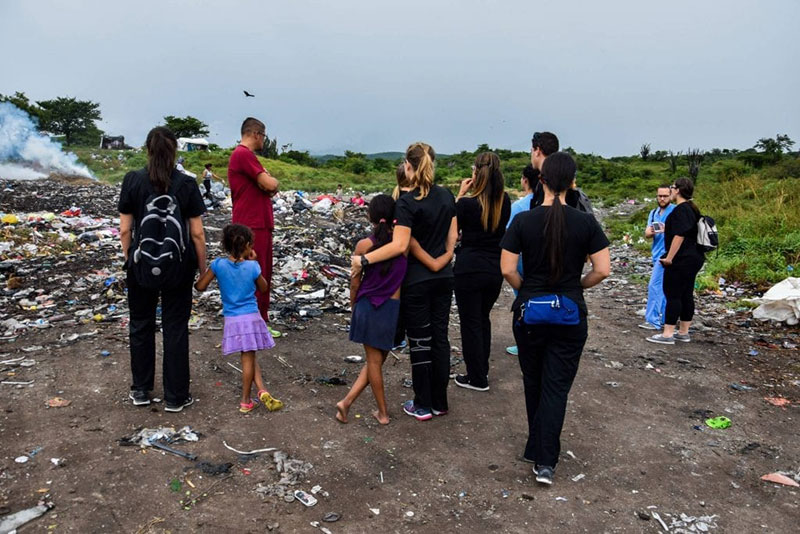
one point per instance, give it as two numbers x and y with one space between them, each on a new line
759 224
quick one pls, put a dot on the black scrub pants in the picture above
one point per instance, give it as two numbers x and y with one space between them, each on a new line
678 288
476 293
425 307
176 306
548 357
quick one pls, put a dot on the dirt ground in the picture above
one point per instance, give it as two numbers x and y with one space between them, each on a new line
634 443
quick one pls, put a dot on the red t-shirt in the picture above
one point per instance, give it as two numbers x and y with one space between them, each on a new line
251 205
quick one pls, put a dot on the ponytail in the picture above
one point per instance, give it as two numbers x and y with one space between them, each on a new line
554 237
161 149
558 173
381 212
421 157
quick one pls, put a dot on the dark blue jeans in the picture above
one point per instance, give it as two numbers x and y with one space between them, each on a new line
549 357
425 307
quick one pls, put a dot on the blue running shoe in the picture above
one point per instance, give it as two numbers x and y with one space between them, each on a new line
513 350
417 412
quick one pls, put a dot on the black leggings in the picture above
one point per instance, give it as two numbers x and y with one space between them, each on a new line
679 291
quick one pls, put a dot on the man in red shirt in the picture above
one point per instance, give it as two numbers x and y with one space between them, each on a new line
252 189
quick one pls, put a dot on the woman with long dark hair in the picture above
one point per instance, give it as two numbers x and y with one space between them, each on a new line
428 214
141 193
554 240
483 209
682 261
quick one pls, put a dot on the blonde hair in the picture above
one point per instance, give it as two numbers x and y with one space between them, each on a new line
402 181
488 189
421 157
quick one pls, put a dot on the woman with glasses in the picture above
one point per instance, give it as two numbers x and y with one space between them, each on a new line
483 210
554 241
682 261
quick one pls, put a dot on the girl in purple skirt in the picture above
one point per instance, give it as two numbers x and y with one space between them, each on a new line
245 331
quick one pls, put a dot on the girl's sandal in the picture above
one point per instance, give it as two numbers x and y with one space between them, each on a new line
269 401
247 407
274 333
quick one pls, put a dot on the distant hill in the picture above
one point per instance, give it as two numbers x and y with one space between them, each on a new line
391 156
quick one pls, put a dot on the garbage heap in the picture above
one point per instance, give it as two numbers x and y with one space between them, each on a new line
61 260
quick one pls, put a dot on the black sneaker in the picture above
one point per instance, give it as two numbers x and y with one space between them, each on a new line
170 407
463 381
139 397
544 474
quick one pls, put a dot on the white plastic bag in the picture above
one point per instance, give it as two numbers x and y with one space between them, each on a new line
780 303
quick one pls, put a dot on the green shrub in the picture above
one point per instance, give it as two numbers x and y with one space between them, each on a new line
728 169
786 168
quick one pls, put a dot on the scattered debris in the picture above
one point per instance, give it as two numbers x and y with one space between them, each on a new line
144 437
10 523
718 422
58 402
780 478
246 453
291 473
304 498
780 303
778 401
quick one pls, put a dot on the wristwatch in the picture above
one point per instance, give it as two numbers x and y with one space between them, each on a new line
364 261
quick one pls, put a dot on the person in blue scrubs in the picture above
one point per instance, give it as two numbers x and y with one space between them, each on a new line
529 179
656 302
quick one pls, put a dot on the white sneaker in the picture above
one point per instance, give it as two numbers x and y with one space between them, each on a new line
647 326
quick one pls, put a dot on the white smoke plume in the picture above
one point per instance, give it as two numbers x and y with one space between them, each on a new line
26 154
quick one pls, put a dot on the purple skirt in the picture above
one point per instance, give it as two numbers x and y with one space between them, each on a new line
243 333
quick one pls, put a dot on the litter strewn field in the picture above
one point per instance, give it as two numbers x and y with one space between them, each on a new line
638 453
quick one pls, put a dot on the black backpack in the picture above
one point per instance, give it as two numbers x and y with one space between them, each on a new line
161 242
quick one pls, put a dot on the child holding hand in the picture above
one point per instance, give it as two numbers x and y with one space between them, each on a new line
245 331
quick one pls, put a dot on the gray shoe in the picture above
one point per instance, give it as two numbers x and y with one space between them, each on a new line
544 474
648 326
682 337
658 338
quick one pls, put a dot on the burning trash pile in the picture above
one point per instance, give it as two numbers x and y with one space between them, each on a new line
27 154
61 262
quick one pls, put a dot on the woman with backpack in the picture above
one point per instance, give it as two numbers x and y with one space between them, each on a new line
682 261
550 324
163 243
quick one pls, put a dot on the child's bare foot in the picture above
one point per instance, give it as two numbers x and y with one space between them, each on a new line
341 411
382 419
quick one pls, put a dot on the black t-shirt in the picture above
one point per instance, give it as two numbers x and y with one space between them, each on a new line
682 221
525 236
429 219
136 188
480 249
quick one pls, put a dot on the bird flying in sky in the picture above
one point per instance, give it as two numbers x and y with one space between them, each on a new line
247 94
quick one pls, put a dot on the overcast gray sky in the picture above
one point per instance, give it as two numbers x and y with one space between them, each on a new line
370 76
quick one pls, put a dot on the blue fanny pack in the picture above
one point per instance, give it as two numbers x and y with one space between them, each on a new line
551 309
